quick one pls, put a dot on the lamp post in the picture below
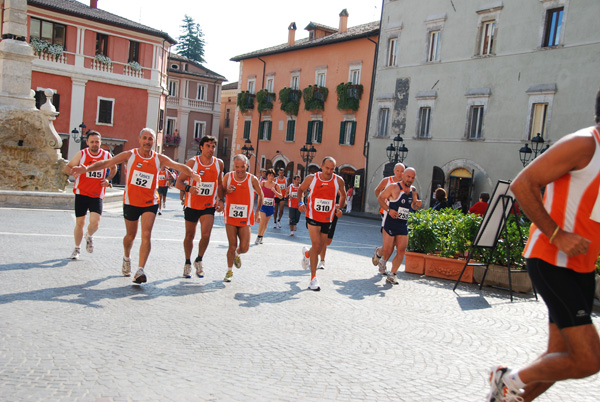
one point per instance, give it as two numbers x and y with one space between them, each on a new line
307 152
537 148
78 134
397 151
248 149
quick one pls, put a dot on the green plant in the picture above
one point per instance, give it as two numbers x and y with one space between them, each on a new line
290 100
422 238
41 46
103 59
134 66
315 97
245 101
265 100
348 96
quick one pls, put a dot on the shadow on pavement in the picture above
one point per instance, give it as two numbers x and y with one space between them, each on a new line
254 300
359 289
59 262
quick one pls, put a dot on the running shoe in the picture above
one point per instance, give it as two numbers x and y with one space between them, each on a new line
257 241
159 212
261 240
375 259
321 265
76 254
187 271
305 259
278 225
499 390
292 233
140 276
237 261
391 279
228 276
382 268
314 285
89 243
199 269
275 225
126 270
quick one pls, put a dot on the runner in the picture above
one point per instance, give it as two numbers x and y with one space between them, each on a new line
89 191
292 196
141 198
201 201
279 205
386 181
320 208
240 187
328 242
397 200
270 191
164 177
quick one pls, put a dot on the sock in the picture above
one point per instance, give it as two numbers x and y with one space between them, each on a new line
187 261
514 380
198 259
77 248
230 269
124 258
260 237
307 254
313 277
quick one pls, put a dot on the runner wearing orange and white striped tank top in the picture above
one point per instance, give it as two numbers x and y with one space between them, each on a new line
142 180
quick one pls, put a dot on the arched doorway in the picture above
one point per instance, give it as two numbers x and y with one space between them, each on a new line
460 187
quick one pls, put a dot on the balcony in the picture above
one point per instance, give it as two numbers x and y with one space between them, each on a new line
191 104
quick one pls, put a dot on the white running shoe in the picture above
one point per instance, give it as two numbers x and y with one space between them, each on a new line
89 243
292 233
321 265
237 261
279 225
126 269
382 267
257 241
228 276
199 269
314 285
140 276
275 225
76 254
499 390
305 259
391 279
187 271
375 259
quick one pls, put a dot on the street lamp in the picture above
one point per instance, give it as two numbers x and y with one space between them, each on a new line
78 134
397 151
308 152
248 149
537 148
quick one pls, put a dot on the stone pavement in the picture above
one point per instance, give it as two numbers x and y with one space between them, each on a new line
77 330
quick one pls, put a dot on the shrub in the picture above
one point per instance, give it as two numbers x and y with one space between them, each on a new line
290 100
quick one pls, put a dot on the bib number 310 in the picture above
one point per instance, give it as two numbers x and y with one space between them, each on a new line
322 205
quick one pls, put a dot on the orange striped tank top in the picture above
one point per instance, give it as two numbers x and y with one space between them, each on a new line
208 187
142 180
89 184
320 205
239 204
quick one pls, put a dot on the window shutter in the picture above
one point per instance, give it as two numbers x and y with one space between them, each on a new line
309 132
320 132
269 132
261 127
353 133
56 101
342 132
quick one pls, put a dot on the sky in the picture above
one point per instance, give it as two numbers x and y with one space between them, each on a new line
236 27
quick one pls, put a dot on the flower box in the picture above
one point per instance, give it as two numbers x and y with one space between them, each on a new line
414 263
497 275
447 268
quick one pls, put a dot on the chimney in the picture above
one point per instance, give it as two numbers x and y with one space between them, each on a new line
292 34
343 21
93 3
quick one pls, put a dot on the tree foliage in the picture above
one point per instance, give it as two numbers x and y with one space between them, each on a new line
191 42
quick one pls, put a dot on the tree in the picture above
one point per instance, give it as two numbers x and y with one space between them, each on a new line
191 42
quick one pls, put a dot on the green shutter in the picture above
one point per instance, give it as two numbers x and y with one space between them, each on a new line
269 130
353 133
247 129
291 125
309 132
342 132
261 126
320 132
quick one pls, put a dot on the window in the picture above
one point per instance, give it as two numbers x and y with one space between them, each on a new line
392 52
320 77
263 162
247 126
161 116
264 129
201 92
270 84
199 129
295 81
225 146
434 46
553 27
314 133
251 85
40 99
538 120
347 132
354 76
134 51
102 44
290 133
105 111
171 124
424 122
475 122
173 88
487 38
227 118
383 122
49 31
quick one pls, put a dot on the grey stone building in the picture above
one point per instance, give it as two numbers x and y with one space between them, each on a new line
466 84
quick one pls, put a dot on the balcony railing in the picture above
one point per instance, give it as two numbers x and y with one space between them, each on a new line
195 104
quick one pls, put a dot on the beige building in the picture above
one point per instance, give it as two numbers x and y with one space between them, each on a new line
467 84
228 104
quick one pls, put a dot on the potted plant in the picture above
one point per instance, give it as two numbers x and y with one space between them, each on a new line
265 100
245 101
290 100
102 59
41 46
134 66
348 96
315 97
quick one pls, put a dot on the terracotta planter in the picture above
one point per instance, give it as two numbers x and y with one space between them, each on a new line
447 268
414 263
498 276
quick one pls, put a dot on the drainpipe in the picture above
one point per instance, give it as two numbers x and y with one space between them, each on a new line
259 116
366 147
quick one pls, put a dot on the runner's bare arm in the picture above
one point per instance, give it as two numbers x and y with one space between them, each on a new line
72 163
108 163
261 196
180 167
303 187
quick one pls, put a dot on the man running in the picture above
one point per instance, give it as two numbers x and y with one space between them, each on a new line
240 187
386 181
89 191
397 201
279 204
561 254
201 201
141 197
164 177
320 208
292 196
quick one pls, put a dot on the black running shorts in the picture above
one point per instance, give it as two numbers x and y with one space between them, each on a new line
193 215
324 225
132 213
83 203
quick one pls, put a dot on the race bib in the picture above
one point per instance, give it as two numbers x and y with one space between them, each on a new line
162 177
282 186
403 213
294 194
322 205
97 174
142 179
207 188
268 202
238 211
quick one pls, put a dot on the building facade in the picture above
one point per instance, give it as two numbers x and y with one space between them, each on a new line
193 107
228 110
467 84
323 82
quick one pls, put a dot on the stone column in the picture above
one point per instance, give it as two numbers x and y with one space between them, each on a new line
76 118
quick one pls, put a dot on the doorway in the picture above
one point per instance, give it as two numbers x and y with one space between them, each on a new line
459 189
